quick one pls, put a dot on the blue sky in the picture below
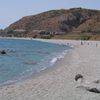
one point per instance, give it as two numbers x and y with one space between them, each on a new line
12 10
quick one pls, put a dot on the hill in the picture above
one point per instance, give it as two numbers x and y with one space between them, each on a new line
74 23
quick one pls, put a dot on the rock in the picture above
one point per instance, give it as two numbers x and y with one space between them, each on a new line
78 76
3 52
97 81
90 89
95 90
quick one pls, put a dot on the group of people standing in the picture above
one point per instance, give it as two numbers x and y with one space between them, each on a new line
84 42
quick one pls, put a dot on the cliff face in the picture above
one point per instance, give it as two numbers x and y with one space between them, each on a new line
60 21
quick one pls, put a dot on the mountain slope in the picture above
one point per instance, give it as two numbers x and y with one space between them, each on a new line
59 21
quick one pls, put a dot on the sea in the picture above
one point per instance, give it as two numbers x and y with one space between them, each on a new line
27 57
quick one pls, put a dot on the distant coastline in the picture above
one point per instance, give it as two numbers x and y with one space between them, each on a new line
26 38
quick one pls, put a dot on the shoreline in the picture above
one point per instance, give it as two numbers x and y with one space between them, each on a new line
46 69
20 38
57 83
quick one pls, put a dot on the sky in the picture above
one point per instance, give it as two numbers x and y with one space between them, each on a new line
13 10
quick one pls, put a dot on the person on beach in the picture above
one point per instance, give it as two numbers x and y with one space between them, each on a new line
88 43
81 43
67 43
96 44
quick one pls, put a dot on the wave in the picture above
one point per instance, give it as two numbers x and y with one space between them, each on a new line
59 57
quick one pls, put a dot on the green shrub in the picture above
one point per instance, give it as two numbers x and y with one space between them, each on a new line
85 37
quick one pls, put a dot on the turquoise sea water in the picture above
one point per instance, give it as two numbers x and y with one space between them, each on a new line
26 57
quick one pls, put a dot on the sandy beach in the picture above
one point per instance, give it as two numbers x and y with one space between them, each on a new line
58 82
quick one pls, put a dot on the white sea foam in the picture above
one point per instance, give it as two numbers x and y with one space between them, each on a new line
60 56
54 60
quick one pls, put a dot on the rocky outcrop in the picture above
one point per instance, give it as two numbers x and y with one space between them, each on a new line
3 52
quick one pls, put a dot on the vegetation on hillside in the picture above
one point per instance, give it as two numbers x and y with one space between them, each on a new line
75 23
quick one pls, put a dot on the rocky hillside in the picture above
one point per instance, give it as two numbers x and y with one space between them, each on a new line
75 23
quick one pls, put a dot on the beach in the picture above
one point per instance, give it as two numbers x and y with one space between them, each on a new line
58 82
